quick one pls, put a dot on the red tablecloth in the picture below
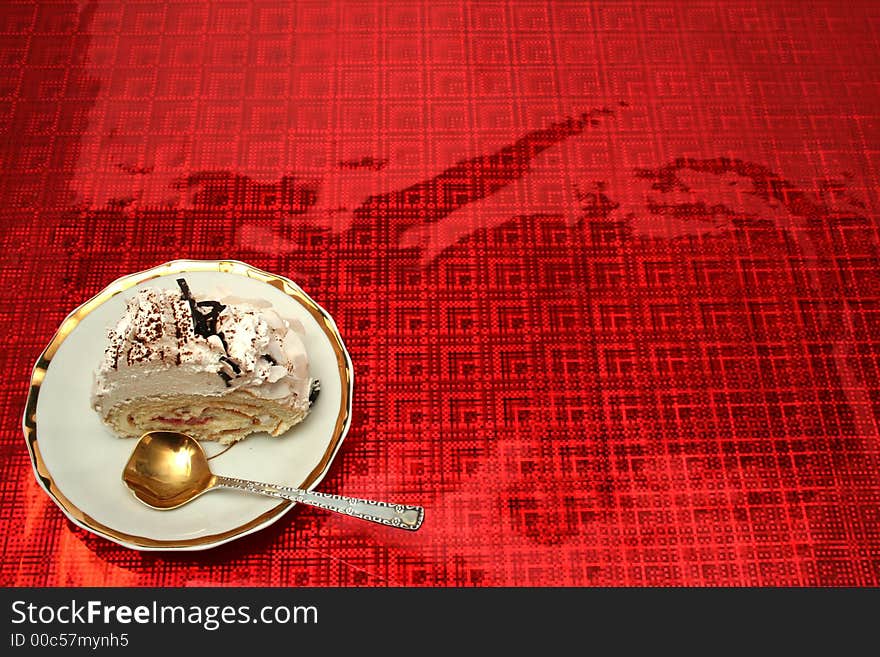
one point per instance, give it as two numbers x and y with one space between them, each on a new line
608 272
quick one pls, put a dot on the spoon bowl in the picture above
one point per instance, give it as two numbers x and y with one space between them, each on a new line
167 469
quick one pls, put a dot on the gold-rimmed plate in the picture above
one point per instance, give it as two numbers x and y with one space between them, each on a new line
78 461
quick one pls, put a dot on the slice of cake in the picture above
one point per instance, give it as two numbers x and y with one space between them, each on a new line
217 370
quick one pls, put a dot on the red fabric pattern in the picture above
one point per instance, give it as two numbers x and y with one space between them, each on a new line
608 273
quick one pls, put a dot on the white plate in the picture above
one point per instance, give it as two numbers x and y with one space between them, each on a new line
79 461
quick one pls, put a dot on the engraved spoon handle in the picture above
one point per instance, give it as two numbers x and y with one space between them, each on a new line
394 515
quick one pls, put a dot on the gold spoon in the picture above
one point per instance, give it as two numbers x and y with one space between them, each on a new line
168 469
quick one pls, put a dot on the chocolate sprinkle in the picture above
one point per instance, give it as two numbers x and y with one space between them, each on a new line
269 358
177 335
226 378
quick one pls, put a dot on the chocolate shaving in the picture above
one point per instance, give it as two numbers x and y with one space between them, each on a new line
314 391
205 315
269 358
223 341
235 368
204 323
181 282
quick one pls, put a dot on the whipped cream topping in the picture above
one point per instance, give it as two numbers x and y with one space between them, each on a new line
156 348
